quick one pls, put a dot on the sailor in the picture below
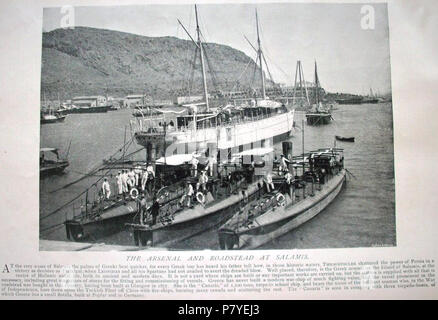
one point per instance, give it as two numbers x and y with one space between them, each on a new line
312 162
210 164
269 183
150 170
124 178
131 179
106 190
187 195
194 163
155 210
137 172
289 177
119 183
141 203
202 182
144 180
284 164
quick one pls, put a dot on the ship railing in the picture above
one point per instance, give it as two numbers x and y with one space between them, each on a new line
143 125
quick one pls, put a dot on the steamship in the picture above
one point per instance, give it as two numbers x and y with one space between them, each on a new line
261 122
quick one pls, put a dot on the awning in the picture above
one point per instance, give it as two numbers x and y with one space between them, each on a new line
176 159
48 150
254 152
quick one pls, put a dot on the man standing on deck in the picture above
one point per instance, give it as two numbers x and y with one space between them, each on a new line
155 210
124 178
151 176
144 180
289 177
119 183
202 182
106 190
188 195
269 182
210 164
284 165
131 179
194 163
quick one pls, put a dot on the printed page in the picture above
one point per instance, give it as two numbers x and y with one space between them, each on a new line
249 150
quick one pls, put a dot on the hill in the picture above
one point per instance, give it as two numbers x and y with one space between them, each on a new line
89 61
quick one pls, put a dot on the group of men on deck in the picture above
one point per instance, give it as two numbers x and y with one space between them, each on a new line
283 169
202 179
128 179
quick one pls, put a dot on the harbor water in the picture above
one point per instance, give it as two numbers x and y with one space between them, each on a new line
363 214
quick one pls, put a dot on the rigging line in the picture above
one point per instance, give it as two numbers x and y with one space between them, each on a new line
212 72
244 70
254 73
192 71
77 197
267 68
89 172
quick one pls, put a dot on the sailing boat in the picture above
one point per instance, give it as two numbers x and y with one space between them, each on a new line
260 124
371 98
319 114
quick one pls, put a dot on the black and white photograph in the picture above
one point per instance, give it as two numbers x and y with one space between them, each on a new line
216 127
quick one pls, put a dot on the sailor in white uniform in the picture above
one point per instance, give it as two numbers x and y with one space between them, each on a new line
150 170
284 164
188 195
125 181
131 179
210 164
194 163
106 190
202 182
269 182
144 180
137 172
119 183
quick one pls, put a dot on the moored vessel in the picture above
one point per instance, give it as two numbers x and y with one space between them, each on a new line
51 162
227 126
319 114
289 205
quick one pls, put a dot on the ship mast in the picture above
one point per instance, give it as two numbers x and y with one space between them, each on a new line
316 85
259 56
204 79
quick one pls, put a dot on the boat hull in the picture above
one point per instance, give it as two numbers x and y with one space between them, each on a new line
202 219
346 139
318 119
227 136
293 215
101 109
58 119
111 221
53 169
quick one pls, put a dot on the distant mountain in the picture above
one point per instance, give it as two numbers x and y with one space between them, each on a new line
89 61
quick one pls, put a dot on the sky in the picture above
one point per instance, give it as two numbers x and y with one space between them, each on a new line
350 59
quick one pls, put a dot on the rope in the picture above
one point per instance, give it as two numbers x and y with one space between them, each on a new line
79 195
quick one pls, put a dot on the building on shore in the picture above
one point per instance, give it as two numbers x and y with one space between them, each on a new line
89 101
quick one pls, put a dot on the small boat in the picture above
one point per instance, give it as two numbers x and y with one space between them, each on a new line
346 139
289 205
51 117
50 162
319 114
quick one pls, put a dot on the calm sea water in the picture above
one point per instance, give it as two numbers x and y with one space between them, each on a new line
362 215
